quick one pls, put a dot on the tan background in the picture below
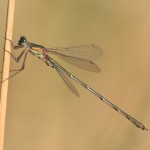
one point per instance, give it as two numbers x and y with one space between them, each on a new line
43 114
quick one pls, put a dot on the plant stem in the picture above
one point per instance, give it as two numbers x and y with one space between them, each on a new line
6 66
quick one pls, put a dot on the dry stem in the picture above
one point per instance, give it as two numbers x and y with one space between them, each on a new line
6 65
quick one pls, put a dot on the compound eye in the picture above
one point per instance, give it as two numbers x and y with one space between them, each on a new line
22 40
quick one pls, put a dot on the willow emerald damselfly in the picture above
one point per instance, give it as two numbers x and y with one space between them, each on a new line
80 56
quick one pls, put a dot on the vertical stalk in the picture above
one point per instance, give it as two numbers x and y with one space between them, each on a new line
6 65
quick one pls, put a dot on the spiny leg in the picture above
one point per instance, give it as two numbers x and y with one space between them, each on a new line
17 60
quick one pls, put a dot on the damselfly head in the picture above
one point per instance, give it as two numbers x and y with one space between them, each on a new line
22 40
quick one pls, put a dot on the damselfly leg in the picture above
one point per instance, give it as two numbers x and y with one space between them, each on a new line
17 59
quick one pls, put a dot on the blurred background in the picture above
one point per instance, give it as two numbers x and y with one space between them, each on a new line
43 114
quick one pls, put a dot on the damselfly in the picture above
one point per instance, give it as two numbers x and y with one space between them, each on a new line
79 56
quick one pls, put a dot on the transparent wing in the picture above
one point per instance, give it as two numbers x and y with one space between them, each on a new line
88 52
81 63
68 83
79 56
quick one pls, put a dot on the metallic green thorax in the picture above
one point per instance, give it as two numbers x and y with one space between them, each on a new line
37 50
36 45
